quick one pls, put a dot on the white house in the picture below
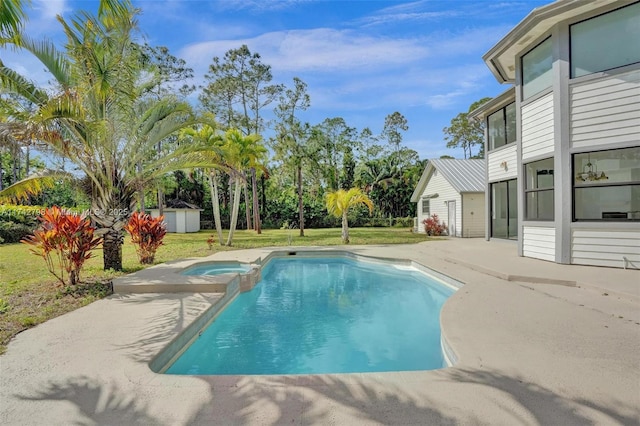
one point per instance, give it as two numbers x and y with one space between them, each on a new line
454 190
563 142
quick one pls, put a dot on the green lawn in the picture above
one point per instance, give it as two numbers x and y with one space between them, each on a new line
29 295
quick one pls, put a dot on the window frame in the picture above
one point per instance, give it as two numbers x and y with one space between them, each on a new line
575 186
533 95
428 200
571 37
502 110
527 191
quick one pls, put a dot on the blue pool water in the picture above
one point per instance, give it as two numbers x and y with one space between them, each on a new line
217 268
324 315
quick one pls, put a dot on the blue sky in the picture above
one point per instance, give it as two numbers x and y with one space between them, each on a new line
361 59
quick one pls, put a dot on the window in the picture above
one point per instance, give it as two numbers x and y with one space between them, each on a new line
607 185
425 207
538 191
502 126
536 69
504 209
606 41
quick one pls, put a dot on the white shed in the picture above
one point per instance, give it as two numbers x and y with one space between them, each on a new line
180 220
455 191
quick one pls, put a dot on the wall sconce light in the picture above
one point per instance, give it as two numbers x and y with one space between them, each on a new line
504 166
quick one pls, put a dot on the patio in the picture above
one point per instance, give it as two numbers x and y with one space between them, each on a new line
537 343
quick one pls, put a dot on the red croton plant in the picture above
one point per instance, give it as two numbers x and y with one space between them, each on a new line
146 233
65 241
433 226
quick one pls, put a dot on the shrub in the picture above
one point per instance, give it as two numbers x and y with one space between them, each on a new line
11 232
211 241
146 233
64 240
433 227
26 215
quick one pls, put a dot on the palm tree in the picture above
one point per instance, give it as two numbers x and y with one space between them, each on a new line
242 152
340 202
11 19
98 119
208 135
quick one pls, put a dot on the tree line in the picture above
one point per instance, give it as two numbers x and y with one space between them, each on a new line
117 120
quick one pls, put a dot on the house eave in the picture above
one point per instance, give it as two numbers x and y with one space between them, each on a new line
501 58
500 101
422 183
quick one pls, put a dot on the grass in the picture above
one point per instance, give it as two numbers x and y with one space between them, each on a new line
30 295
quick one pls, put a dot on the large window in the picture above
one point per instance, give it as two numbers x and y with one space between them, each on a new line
607 185
606 41
504 209
539 190
502 126
536 69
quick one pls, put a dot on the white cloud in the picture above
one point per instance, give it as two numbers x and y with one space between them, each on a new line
404 17
49 9
321 49
258 5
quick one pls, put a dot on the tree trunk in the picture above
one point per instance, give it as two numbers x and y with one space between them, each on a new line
26 161
345 228
215 202
112 249
264 193
141 190
15 166
256 212
300 204
247 205
236 207
160 202
160 193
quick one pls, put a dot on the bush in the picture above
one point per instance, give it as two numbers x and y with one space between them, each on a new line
403 222
25 215
11 232
70 237
433 227
146 233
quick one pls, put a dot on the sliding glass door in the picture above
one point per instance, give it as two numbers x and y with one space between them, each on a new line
504 210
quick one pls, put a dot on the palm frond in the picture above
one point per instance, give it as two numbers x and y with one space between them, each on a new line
32 185
15 83
54 61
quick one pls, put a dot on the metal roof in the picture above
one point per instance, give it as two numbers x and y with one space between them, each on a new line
463 175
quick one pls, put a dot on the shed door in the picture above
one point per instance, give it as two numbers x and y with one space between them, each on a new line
452 218
170 220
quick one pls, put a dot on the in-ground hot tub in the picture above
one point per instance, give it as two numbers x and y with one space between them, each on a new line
217 268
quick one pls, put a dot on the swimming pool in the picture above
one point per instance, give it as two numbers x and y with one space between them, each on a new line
217 268
324 315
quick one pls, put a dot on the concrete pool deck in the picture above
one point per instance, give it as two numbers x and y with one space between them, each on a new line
537 343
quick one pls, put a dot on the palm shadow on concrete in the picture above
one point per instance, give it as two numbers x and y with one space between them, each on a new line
546 405
155 333
95 402
339 399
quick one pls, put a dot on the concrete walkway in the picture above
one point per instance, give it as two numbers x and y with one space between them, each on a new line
556 345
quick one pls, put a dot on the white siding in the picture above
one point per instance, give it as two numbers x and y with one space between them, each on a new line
473 216
439 185
495 158
539 242
606 110
606 247
537 127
